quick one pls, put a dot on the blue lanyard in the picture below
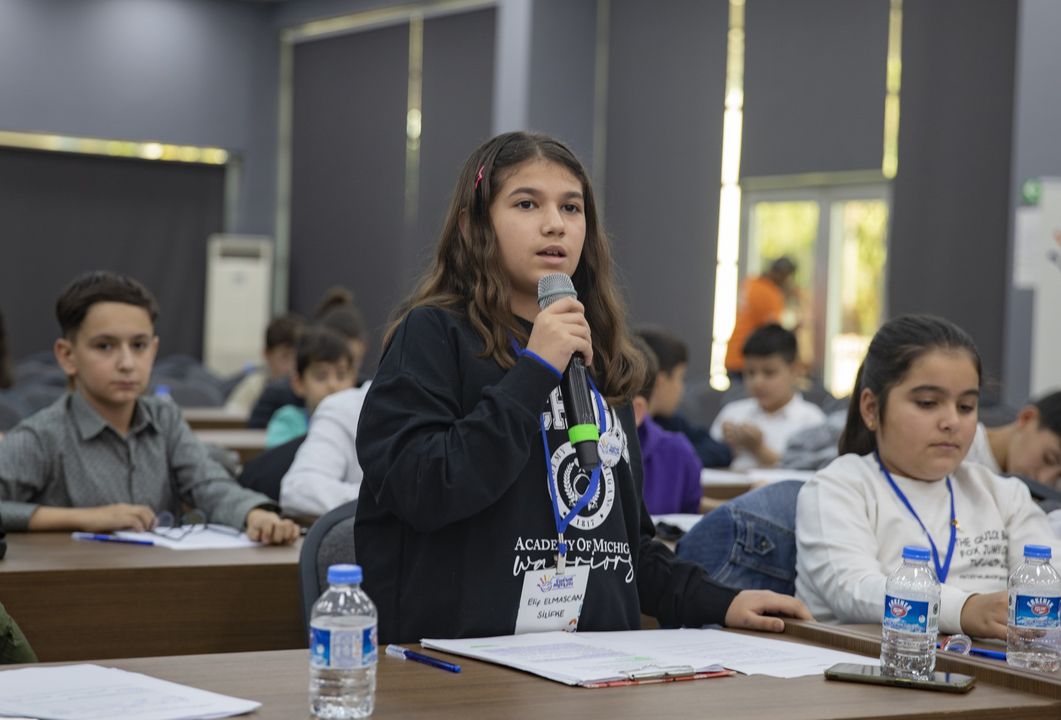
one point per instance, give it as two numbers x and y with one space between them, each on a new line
562 523
941 570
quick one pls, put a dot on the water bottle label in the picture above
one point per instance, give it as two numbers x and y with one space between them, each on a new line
905 615
342 649
1035 611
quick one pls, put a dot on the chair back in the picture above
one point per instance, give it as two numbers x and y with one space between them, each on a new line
330 540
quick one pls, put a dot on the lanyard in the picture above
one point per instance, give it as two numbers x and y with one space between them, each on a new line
562 523
941 570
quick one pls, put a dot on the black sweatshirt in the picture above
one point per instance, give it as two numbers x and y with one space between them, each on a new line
455 507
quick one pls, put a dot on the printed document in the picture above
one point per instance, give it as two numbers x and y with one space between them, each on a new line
93 692
583 658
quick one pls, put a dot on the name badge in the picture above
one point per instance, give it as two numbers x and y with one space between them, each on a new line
610 446
550 601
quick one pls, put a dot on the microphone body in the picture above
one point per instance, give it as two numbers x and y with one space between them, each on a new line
582 429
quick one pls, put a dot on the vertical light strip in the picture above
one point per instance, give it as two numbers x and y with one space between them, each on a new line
282 245
729 199
600 101
890 161
414 120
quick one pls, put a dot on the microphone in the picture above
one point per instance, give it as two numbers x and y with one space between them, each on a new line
578 404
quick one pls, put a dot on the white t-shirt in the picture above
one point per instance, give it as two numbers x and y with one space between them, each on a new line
777 427
851 528
325 473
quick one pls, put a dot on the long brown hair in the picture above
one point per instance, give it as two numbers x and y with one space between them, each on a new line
467 275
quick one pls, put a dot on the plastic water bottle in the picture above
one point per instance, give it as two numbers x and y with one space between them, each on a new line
342 639
1034 637
911 617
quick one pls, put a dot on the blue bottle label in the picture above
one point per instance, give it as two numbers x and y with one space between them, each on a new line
332 649
1034 611
905 615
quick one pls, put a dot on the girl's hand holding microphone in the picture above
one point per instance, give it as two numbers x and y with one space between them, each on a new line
561 330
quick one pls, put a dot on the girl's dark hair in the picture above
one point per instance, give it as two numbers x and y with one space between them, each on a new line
5 357
467 275
892 351
338 312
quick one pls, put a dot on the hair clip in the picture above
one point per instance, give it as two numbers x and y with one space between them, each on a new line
479 177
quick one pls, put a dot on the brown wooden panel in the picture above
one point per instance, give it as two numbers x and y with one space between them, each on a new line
78 600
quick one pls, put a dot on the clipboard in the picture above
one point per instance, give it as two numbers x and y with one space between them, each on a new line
651 674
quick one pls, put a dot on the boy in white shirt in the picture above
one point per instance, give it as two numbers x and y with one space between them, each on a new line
757 428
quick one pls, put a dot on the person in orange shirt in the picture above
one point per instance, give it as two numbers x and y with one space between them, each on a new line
762 300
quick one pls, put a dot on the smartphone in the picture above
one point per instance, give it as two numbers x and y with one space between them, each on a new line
944 681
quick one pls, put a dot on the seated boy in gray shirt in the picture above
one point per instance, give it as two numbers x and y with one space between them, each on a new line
103 457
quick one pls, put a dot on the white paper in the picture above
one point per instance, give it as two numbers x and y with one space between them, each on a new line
92 692
712 477
682 521
211 538
590 657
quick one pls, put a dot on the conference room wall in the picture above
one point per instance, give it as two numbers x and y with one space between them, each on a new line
357 217
190 72
666 76
950 215
1036 153
805 109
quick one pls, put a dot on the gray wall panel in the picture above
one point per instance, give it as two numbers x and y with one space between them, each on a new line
666 82
814 85
950 204
62 215
457 102
348 169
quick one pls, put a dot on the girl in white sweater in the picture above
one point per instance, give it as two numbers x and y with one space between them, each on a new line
900 481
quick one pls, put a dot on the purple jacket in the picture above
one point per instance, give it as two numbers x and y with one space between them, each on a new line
672 470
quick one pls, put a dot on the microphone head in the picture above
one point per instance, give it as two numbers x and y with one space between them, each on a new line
553 287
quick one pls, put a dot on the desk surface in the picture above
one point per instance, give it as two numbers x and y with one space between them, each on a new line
214 418
249 443
279 681
79 600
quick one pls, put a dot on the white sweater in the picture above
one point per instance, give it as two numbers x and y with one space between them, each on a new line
326 473
851 528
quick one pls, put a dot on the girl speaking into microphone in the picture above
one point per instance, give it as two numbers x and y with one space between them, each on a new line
475 518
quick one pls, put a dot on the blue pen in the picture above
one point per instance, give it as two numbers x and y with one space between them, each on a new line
108 538
400 652
980 652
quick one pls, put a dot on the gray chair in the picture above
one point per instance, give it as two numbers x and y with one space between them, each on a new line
329 541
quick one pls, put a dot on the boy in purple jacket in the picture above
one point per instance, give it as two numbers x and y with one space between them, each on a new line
672 468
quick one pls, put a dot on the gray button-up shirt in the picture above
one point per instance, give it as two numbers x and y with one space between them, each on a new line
67 455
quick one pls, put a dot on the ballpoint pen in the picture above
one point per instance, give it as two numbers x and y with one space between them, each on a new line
980 652
97 537
400 652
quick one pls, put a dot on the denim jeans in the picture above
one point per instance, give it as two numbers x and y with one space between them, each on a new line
750 542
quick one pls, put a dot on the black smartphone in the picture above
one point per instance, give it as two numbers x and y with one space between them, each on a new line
944 681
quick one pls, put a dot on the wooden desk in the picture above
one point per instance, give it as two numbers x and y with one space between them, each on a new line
214 418
78 600
279 681
248 443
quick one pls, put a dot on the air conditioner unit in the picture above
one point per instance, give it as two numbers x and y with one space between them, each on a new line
239 273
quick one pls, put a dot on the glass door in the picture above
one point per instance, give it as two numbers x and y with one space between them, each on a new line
837 236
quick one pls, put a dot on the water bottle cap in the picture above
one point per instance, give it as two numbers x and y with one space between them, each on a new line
344 574
913 552
1038 551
